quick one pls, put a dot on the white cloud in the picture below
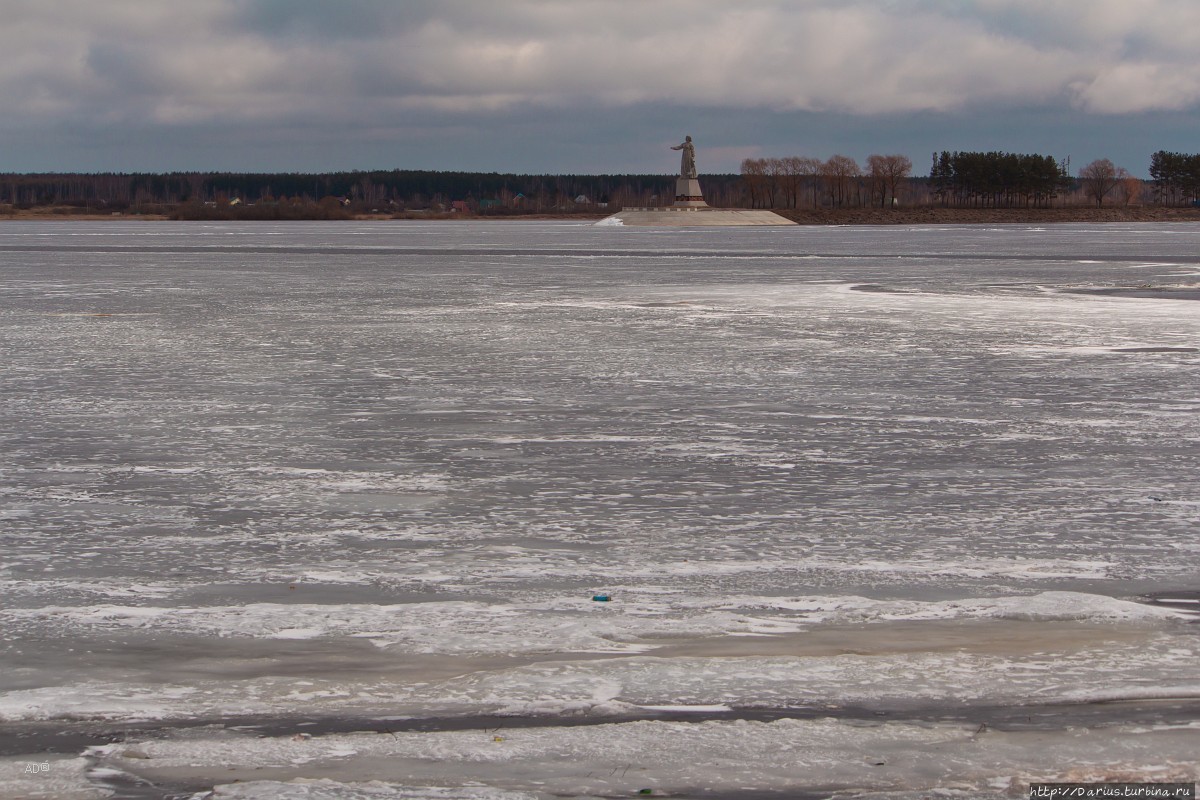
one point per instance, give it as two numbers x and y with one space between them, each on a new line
1140 86
219 60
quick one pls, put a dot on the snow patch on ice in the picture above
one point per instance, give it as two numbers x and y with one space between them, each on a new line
62 779
894 759
327 789
573 624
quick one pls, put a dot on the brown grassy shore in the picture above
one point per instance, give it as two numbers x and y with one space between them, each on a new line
68 213
934 215
71 213
922 215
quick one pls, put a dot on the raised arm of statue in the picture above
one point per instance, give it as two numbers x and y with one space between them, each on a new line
687 161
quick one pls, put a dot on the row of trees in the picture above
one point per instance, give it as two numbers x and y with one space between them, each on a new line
963 179
995 179
1176 177
384 190
839 181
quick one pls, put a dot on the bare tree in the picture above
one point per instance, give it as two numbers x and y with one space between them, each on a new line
838 174
791 175
1099 178
777 174
809 170
877 183
1129 188
886 173
754 174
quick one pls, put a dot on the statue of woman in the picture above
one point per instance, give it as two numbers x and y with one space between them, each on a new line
687 161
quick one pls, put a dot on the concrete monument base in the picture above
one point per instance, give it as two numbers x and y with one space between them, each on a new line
688 194
689 209
704 216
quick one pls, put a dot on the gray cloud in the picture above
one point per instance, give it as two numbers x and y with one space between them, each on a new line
376 68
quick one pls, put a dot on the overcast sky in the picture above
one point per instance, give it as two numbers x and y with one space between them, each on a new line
587 85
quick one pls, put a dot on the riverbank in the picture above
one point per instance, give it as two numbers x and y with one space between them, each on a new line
924 215
932 215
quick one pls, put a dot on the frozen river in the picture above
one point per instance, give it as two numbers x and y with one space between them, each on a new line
857 495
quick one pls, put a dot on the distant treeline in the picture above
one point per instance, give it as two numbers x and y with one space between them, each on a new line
385 191
959 179
956 179
965 180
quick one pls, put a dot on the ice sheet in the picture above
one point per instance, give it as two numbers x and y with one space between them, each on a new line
357 468
679 759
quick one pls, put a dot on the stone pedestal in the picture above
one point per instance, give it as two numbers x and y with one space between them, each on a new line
697 216
688 195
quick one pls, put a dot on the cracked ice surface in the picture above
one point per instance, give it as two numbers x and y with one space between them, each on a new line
372 468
